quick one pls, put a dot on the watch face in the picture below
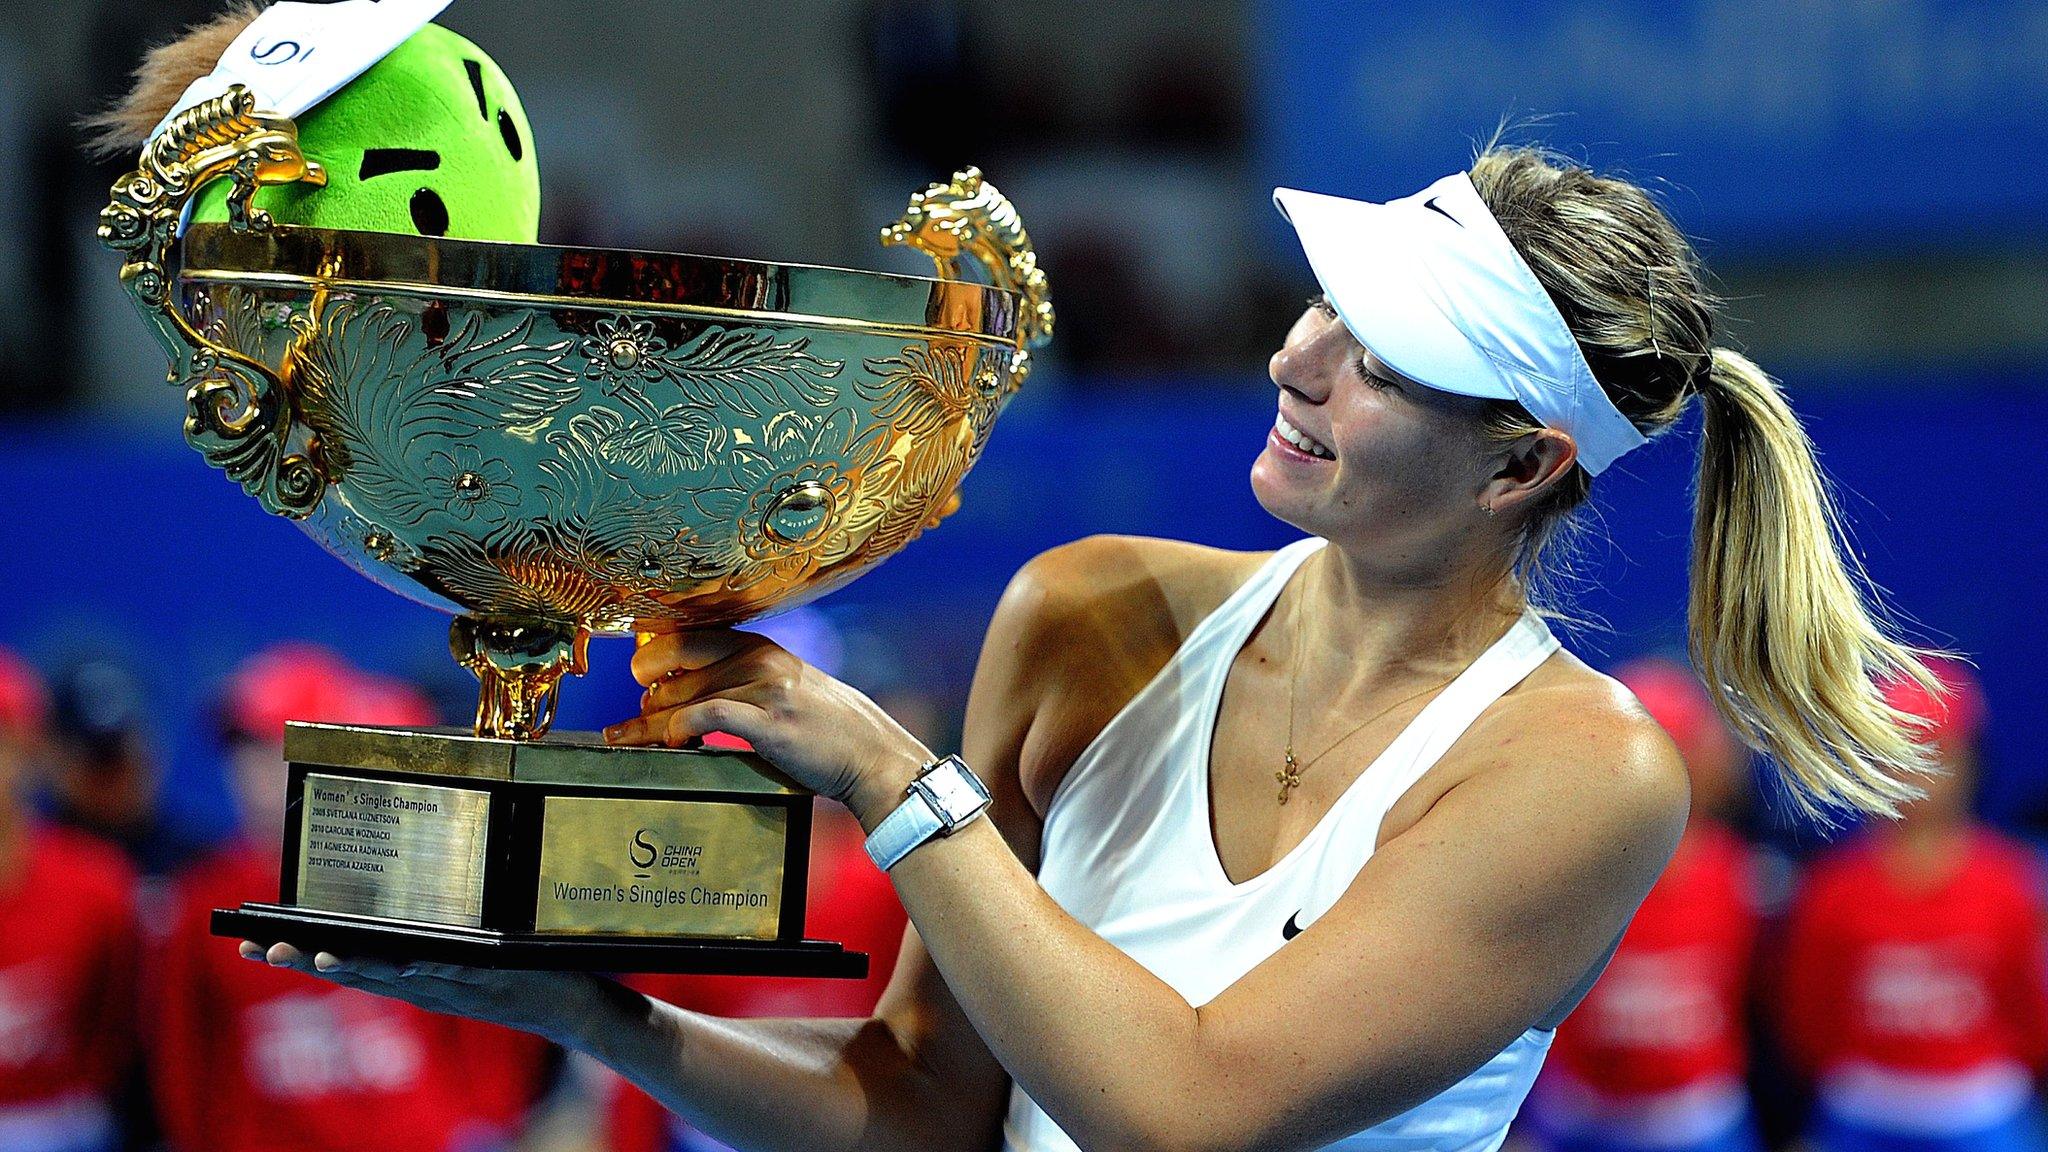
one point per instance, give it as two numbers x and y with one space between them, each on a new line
954 791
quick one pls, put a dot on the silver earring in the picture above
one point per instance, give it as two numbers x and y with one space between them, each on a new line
1488 509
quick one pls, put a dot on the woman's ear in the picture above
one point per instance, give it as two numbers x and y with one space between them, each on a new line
1531 464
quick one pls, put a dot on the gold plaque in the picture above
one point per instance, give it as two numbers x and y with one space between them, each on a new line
637 867
403 851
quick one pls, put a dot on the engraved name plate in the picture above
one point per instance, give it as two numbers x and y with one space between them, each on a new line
661 867
406 851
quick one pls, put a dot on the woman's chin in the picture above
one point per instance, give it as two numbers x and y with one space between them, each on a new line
1279 490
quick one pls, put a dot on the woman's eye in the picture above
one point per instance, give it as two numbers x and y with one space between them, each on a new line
1372 379
1321 303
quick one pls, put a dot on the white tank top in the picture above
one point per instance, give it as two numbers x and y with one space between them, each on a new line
1128 852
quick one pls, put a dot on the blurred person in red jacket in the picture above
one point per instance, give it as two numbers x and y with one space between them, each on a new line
1657 1054
104 771
1912 989
247 1057
67 955
851 901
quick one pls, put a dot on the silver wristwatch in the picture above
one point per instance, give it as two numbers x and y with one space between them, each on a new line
945 796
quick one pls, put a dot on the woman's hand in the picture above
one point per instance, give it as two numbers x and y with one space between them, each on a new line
823 734
551 1005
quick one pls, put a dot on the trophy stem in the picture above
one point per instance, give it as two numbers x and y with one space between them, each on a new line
519 662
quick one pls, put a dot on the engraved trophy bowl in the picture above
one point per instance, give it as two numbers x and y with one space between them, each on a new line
551 442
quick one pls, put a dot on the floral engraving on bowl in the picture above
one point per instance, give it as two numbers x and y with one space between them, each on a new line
620 349
947 396
745 370
234 321
647 452
924 388
650 549
379 543
399 421
644 469
466 483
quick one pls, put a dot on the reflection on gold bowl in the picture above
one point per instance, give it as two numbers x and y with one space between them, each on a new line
552 441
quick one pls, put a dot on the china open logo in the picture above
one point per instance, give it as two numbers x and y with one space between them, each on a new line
644 853
648 851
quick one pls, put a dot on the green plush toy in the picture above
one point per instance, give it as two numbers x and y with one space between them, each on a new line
430 140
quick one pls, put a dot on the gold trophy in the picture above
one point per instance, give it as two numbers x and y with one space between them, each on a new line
553 442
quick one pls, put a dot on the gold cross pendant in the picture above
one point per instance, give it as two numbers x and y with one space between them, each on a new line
1288 777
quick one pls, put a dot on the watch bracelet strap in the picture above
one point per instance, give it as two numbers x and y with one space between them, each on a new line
912 823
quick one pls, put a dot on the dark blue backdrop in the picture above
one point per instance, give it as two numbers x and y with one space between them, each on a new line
125 539
1788 124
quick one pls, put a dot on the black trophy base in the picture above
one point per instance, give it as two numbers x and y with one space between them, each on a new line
437 845
346 935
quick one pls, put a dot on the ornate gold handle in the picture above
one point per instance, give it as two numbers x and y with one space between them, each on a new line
238 410
969 220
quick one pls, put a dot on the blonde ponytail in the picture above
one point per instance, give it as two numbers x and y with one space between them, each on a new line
1780 626
1780 629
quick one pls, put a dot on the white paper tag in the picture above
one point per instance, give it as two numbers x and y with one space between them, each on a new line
295 55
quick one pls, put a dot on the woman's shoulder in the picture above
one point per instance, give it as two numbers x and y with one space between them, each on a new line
1573 713
1083 627
1568 730
1107 612
1155 586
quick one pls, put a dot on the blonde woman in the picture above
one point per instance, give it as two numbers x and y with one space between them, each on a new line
1311 848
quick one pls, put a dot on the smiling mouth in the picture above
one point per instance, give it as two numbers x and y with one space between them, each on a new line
1300 439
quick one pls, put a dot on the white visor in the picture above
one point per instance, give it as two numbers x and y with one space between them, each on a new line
1432 286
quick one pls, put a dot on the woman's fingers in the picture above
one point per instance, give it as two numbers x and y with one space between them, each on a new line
673 652
819 731
701 682
327 964
435 987
758 676
678 726
282 955
361 967
541 1002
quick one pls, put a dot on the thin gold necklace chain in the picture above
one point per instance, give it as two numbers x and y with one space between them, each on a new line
1289 775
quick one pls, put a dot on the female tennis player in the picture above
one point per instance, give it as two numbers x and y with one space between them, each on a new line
1308 848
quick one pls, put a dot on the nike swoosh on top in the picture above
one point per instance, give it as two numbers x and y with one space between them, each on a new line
1433 206
1291 929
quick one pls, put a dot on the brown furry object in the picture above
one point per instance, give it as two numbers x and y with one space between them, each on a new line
161 78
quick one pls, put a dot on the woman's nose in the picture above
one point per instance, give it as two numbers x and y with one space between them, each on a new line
1294 367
